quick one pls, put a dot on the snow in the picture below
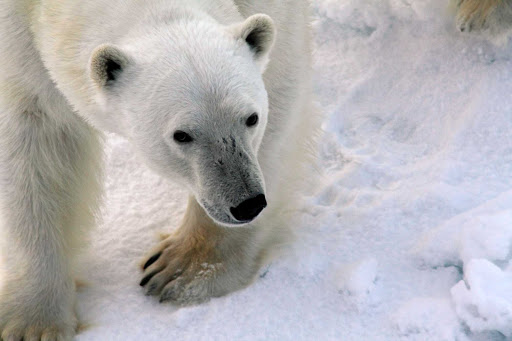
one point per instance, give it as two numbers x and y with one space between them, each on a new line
359 278
427 318
408 235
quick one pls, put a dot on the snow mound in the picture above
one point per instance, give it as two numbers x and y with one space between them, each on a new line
483 300
483 232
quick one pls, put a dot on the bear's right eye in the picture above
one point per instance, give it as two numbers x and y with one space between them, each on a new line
182 137
252 120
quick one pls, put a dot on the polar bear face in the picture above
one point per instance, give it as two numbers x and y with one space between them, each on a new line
190 97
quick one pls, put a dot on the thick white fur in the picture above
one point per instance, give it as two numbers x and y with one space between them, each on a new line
54 100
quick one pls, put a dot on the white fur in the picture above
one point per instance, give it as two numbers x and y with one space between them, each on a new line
186 65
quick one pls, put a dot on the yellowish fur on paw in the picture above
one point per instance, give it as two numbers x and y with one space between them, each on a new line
472 14
82 327
163 236
80 284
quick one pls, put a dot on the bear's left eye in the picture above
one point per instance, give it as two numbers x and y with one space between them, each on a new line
182 137
252 120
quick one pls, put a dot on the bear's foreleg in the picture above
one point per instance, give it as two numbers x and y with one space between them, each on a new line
201 260
49 173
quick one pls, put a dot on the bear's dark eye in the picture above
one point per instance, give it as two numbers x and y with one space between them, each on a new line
252 120
182 137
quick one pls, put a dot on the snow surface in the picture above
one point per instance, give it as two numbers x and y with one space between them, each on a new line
409 234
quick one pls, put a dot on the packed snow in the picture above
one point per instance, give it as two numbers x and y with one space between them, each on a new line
408 235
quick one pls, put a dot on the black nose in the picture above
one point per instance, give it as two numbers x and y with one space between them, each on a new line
249 209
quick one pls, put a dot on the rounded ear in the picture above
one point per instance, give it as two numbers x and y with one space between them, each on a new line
259 33
107 62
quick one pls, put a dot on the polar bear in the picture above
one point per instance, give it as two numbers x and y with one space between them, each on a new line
214 94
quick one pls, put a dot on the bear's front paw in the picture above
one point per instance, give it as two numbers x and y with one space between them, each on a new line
192 270
36 318
471 14
479 15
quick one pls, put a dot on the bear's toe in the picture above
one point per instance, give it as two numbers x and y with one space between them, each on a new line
157 281
183 292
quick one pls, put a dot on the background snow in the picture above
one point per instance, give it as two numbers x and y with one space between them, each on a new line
408 236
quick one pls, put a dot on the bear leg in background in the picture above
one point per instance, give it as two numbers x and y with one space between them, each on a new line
48 170
201 260
482 15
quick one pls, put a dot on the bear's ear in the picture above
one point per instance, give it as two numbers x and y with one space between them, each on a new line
258 31
106 64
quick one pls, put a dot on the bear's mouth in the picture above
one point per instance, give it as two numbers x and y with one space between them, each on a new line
222 217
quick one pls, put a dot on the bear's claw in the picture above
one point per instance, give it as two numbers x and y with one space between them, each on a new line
152 260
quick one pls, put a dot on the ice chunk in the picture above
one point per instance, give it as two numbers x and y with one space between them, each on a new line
483 300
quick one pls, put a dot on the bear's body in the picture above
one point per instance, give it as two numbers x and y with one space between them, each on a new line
187 82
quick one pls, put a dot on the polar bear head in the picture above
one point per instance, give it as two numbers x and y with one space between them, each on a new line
189 95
